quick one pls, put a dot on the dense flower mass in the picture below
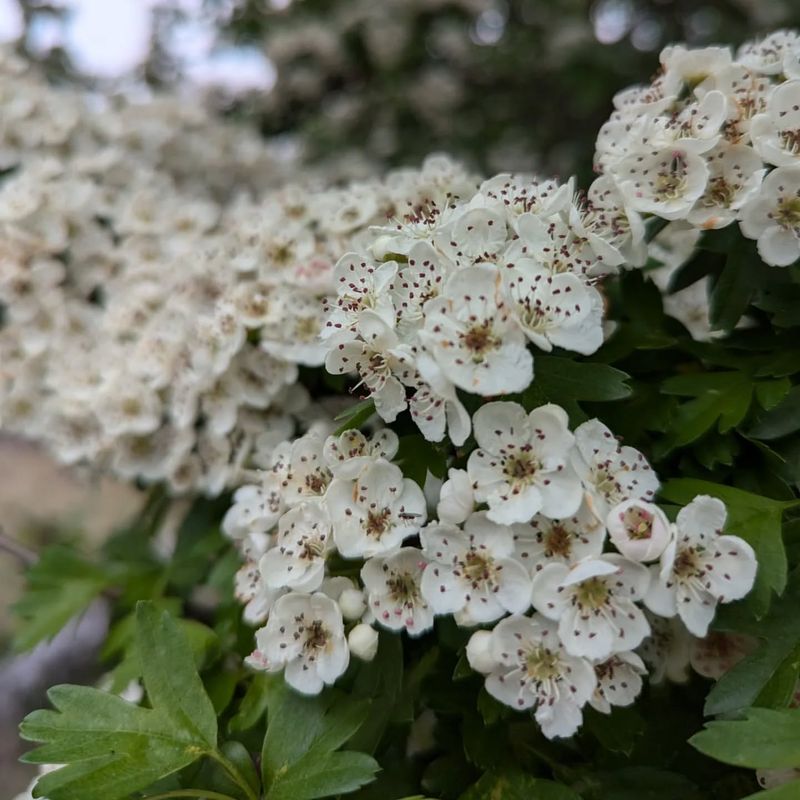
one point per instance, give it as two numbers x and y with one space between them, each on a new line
517 542
715 139
451 295
210 332
155 317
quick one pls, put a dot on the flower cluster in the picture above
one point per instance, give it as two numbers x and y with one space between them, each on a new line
714 139
546 537
154 317
451 296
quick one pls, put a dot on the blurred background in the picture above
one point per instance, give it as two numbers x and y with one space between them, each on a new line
502 84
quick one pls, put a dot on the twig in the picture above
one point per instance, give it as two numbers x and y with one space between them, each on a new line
23 554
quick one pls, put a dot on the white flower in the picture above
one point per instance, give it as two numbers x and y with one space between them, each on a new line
610 473
363 642
456 498
776 133
701 567
352 603
394 593
479 652
666 649
435 406
377 358
346 455
249 585
256 508
301 469
619 681
534 671
768 55
773 217
521 465
305 636
470 333
555 310
297 560
665 182
639 530
360 286
735 175
473 573
543 540
594 603
375 513
420 280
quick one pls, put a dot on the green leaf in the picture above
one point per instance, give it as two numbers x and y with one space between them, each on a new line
299 759
733 290
780 420
517 785
170 676
112 748
253 705
770 393
355 417
640 783
743 685
789 791
766 739
61 585
323 775
567 382
720 398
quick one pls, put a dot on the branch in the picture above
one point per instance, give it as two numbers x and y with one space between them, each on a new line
23 554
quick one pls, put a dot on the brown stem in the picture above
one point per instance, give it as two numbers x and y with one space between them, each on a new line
23 554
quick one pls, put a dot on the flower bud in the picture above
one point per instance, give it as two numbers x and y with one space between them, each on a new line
456 500
363 642
479 652
639 530
352 604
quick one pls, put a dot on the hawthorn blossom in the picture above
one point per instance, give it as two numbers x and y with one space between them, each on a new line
639 530
776 133
535 671
473 573
619 681
362 641
250 588
543 540
521 466
555 310
305 637
471 335
256 507
347 454
435 406
666 649
394 591
297 559
456 498
360 286
666 182
735 175
701 567
373 514
772 217
301 468
610 473
377 358
594 603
